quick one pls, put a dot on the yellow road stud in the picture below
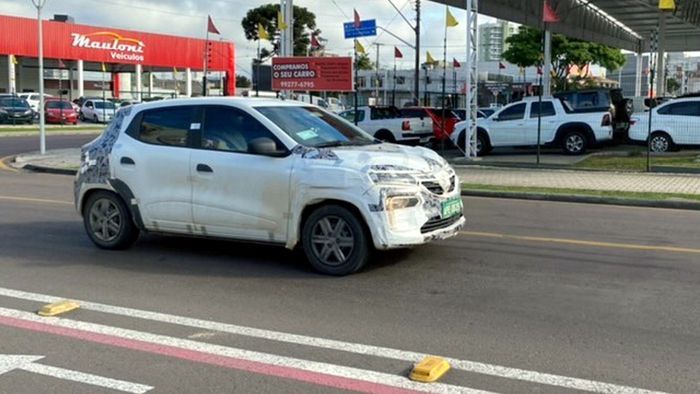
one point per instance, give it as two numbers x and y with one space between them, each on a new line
58 308
430 369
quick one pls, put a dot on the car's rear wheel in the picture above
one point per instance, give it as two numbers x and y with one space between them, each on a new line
95 119
660 142
335 241
108 221
385 135
574 143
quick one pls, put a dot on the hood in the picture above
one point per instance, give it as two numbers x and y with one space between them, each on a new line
391 155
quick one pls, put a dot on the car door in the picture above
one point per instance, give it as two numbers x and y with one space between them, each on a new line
549 123
154 162
88 110
681 121
506 127
237 193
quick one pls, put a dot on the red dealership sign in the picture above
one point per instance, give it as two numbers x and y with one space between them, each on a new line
331 74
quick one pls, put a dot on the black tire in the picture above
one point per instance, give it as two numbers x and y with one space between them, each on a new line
124 230
385 136
81 117
574 143
315 241
96 119
483 146
661 142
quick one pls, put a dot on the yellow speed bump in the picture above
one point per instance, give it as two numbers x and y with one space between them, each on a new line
58 308
430 369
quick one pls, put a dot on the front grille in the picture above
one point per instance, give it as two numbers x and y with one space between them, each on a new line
433 187
453 180
438 223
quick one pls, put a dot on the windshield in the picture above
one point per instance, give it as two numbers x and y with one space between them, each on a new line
58 105
314 127
104 104
14 102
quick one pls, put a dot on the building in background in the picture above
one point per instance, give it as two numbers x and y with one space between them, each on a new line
492 39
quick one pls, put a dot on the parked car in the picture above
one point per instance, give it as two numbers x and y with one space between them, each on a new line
516 125
33 99
60 111
597 100
387 124
673 124
270 171
14 109
435 116
98 111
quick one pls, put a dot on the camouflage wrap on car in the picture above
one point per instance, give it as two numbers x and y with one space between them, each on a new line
94 156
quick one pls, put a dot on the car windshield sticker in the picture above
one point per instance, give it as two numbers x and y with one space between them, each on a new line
307 134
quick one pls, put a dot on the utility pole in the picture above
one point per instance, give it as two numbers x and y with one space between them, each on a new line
376 76
39 4
416 64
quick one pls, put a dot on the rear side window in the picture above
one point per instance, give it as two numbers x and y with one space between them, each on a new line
588 100
167 126
384 113
513 113
547 109
413 113
350 116
688 108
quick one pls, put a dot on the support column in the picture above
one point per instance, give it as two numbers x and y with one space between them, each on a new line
188 82
138 85
638 75
547 69
150 83
11 76
472 76
81 78
661 58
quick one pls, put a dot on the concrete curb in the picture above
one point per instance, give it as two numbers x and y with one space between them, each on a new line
49 170
688 205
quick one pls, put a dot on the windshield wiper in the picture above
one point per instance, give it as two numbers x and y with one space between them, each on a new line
332 144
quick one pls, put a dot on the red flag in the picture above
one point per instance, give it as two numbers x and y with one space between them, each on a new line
397 53
61 64
501 66
314 42
357 22
210 26
548 14
539 70
455 63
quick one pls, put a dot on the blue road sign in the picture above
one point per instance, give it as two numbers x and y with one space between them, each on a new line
367 28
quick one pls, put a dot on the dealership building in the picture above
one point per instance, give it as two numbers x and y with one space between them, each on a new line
82 61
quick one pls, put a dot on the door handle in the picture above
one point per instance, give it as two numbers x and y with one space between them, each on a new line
204 168
127 160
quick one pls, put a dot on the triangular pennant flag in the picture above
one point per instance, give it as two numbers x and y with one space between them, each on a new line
210 26
14 59
397 53
501 66
450 20
455 63
314 42
262 32
280 21
539 70
356 19
429 58
359 48
175 70
548 14
104 68
61 64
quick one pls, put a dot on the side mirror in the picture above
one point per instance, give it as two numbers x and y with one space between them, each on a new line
265 146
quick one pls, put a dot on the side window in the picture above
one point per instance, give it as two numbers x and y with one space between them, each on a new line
513 113
587 100
547 109
88 103
687 108
232 130
350 116
166 126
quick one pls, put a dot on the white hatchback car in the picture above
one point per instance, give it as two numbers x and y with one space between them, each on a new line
263 170
673 124
33 99
98 111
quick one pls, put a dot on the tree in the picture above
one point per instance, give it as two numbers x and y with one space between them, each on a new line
672 85
242 81
363 62
525 51
266 15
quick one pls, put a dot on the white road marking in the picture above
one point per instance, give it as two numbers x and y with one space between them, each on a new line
265 358
370 350
28 363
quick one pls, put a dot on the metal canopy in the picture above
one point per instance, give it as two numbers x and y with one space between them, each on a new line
580 19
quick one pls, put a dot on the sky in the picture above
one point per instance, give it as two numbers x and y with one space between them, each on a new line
189 18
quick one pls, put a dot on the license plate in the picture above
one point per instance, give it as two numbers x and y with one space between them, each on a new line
451 207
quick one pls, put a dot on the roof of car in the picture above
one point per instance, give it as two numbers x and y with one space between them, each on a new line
228 100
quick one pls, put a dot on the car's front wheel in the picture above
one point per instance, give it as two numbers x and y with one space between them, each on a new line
335 241
108 221
574 143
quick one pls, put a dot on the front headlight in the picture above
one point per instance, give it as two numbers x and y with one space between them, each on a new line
28 112
401 202
392 175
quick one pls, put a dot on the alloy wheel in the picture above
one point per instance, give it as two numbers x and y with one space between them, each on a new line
574 143
332 240
105 220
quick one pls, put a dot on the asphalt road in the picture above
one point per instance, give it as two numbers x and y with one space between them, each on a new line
532 297
14 145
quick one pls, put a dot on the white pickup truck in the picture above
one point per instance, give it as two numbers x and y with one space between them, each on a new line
387 124
516 125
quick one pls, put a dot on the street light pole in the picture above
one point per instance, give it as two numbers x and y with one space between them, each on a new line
39 4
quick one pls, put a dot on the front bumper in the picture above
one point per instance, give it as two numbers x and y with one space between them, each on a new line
416 225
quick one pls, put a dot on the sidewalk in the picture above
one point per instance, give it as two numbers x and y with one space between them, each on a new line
582 180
